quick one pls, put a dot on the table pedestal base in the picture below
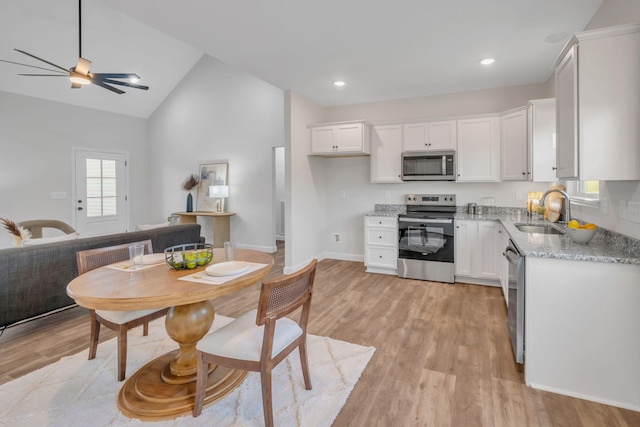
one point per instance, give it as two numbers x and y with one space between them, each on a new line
145 395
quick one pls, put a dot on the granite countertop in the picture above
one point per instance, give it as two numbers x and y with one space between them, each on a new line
606 246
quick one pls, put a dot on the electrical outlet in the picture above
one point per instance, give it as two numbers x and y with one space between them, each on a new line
343 194
336 238
518 195
604 206
387 194
622 209
633 211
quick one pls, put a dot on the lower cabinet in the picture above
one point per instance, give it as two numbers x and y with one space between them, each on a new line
381 244
503 264
477 252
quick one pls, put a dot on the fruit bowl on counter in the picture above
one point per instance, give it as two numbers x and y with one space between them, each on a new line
581 233
188 256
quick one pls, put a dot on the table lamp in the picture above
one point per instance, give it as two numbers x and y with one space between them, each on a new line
219 192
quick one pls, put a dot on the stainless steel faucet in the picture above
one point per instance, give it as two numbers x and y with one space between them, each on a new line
567 203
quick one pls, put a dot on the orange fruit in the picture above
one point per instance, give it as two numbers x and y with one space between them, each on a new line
590 226
573 224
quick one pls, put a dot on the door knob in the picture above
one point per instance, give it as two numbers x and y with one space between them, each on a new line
79 208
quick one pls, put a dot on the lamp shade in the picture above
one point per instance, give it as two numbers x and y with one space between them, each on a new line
219 191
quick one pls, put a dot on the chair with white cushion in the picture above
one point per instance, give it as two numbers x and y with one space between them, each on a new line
119 321
260 339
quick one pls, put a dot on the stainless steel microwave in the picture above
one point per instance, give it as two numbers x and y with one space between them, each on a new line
429 166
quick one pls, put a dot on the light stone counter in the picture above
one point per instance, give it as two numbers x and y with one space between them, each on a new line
605 247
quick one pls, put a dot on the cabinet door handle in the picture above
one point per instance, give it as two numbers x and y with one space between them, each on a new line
553 168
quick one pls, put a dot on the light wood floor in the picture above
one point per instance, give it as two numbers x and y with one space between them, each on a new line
443 355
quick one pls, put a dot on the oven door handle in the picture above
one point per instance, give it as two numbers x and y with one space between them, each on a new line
427 221
513 259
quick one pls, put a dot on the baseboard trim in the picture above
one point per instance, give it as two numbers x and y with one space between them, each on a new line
268 249
556 390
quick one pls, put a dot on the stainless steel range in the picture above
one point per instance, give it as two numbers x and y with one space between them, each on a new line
426 240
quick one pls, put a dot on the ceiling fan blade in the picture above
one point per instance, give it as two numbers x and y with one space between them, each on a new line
116 82
106 86
33 66
116 75
44 75
43 60
82 66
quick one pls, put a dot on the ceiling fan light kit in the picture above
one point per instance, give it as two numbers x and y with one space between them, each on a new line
80 74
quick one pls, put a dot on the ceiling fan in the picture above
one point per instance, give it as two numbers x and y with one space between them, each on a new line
80 74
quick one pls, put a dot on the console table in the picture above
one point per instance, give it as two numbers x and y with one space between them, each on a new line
221 221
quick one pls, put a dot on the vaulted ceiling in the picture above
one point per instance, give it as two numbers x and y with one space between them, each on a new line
382 49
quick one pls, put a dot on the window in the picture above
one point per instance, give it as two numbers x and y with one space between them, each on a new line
101 187
584 192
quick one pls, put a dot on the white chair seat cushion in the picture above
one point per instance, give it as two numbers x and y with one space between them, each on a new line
122 317
242 338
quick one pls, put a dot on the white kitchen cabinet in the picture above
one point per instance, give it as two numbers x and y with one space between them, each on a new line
597 105
528 142
514 141
478 151
386 152
476 247
341 139
581 329
541 121
502 263
430 136
381 244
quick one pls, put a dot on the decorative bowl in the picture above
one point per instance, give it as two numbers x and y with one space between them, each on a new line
188 256
581 235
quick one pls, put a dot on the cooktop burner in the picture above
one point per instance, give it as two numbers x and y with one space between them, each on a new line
430 206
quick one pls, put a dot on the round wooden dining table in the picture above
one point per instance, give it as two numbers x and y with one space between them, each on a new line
164 388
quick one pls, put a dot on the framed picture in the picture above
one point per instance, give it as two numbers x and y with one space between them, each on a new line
214 173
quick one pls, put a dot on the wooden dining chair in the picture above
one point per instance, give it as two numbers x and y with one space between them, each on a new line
119 321
260 339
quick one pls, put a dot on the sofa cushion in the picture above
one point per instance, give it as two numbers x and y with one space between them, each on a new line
43 240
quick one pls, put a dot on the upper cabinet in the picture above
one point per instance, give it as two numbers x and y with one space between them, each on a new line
515 165
598 105
528 142
429 136
478 151
386 151
541 122
341 139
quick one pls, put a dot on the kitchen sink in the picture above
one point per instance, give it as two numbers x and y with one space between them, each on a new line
538 228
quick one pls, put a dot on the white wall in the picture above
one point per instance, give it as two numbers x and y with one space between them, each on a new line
280 189
36 140
219 113
615 12
305 206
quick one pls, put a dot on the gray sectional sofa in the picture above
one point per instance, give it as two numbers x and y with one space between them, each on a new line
33 279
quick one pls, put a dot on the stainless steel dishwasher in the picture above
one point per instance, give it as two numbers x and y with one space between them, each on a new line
515 319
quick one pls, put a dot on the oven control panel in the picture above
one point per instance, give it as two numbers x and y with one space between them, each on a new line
431 199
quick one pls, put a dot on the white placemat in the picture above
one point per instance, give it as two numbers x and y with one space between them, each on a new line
124 266
202 277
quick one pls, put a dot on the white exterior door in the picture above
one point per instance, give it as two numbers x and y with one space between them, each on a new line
101 183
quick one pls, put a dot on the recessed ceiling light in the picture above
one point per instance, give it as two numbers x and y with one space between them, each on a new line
556 37
134 80
487 61
339 83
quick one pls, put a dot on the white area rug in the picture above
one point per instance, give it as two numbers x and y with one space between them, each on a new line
80 392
